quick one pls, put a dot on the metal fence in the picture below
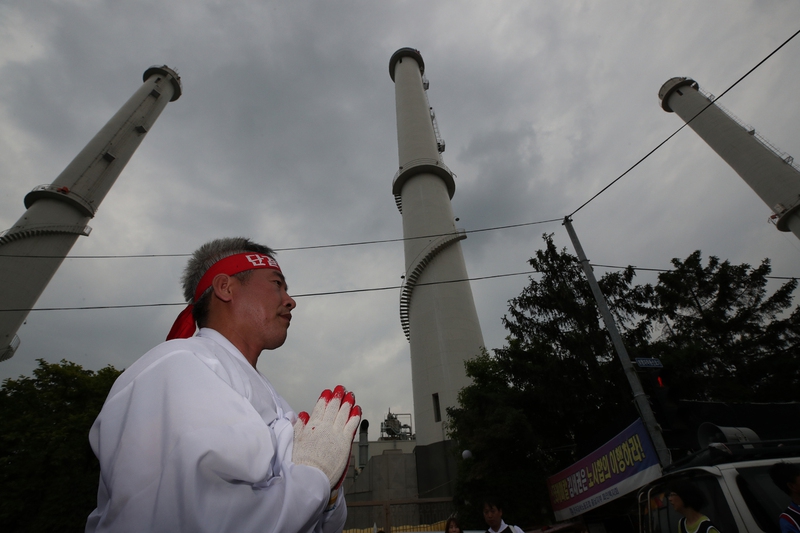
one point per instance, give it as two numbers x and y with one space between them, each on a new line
392 516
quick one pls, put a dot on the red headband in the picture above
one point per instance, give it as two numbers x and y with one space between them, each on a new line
184 326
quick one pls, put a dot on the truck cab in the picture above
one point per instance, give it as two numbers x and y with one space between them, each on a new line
735 480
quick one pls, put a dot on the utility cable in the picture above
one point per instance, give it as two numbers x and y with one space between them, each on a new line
295 296
604 189
644 269
296 248
355 291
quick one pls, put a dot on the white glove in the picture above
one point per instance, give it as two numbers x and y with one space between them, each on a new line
324 440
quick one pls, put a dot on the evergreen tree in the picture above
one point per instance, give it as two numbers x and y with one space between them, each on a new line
48 472
723 337
552 394
557 391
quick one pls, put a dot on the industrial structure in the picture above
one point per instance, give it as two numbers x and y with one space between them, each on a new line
771 173
57 214
437 310
381 484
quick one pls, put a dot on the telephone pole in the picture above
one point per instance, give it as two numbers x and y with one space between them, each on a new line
639 397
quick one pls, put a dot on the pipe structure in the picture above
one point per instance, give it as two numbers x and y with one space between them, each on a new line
769 172
363 444
57 214
437 309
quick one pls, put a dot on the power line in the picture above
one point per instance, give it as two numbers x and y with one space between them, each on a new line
644 269
305 295
296 248
604 189
355 291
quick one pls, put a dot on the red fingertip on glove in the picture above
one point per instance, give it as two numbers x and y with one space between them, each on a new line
304 417
349 398
355 411
326 395
338 392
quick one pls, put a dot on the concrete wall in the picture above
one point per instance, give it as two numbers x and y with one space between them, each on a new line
389 476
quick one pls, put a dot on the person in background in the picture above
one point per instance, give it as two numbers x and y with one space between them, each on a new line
787 477
493 514
452 526
688 500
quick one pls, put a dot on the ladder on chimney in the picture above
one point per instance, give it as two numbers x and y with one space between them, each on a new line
439 141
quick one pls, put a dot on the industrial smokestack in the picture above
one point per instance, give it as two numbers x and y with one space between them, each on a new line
363 444
32 250
770 173
437 310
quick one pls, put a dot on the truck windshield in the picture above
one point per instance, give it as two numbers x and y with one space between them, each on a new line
658 516
764 500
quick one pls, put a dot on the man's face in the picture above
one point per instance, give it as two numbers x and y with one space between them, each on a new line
493 516
266 307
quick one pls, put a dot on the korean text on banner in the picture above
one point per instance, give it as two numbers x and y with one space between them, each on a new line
620 466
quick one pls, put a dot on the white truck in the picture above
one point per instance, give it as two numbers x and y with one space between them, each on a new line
732 471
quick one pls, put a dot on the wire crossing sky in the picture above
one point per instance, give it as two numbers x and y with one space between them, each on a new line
315 247
353 291
662 143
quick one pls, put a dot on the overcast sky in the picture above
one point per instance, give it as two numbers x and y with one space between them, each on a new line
285 133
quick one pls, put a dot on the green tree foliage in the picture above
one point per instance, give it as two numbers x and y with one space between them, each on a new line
48 473
722 336
556 391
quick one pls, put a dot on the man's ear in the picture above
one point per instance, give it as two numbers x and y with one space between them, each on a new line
222 287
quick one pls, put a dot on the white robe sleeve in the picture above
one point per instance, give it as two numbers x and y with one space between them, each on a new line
333 519
181 450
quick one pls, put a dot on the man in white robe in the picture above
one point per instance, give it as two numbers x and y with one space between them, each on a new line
192 437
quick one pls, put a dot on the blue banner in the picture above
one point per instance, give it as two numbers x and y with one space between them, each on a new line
622 465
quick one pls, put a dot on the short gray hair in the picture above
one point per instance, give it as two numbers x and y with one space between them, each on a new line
204 258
